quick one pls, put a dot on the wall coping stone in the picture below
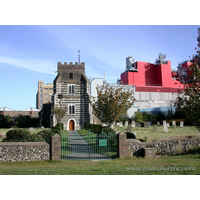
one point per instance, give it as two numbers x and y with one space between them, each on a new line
23 144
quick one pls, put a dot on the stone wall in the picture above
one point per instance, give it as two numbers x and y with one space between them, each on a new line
164 146
24 151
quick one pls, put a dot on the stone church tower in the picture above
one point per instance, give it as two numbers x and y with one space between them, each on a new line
73 84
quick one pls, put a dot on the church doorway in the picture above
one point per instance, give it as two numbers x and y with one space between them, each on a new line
71 125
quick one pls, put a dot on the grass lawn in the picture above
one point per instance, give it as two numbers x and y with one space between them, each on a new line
147 134
172 165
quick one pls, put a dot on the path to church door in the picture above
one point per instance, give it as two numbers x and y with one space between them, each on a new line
71 125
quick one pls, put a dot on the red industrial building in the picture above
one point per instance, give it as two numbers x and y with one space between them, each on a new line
148 77
156 85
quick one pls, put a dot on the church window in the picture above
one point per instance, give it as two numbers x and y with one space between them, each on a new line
71 76
71 89
71 109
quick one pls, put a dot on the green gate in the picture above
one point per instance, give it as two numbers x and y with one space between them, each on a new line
88 146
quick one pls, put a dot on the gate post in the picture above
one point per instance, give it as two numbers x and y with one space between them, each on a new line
122 145
55 147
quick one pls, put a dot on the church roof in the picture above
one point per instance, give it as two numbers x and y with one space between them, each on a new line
6 109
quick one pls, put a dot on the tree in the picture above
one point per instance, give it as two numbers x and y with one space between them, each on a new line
5 121
138 117
112 102
188 102
59 112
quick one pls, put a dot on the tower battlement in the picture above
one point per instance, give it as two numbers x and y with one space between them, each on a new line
71 64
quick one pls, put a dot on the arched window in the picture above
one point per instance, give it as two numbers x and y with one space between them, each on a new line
71 89
71 109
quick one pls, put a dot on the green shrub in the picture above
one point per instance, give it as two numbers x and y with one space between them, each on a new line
36 138
58 125
17 135
107 130
87 125
130 135
47 135
55 130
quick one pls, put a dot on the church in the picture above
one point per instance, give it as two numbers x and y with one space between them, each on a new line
72 84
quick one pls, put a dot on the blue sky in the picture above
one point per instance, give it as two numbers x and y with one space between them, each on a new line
30 53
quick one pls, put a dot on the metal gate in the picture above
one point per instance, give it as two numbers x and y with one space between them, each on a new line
88 146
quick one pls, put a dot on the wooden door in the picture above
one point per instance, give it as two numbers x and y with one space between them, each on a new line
71 125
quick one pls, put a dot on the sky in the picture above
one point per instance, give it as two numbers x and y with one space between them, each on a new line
29 53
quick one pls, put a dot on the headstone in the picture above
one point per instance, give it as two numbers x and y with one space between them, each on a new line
42 127
164 123
158 123
149 123
165 129
133 124
114 123
135 134
173 123
126 123
145 124
31 129
167 124
2 134
129 129
181 124
147 137
120 124
155 128
112 126
117 123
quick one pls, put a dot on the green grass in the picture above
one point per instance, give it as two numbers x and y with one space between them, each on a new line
147 134
179 165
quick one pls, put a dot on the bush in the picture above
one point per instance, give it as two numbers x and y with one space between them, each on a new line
17 135
36 138
130 135
58 126
55 130
87 125
5 121
107 130
47 135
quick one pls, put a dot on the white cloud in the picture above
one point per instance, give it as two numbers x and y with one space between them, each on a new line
31 64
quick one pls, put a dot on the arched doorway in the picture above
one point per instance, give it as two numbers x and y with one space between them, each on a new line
71 125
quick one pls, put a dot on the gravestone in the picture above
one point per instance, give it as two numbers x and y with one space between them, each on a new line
114 123
117 123
173 123
135 133
112 126
147 137
129 129
31 129
158 123
167 124
155 128
133 124
42 127
2 134
165 129
126 123
120 124
149 123
164 123
145 124
181 124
